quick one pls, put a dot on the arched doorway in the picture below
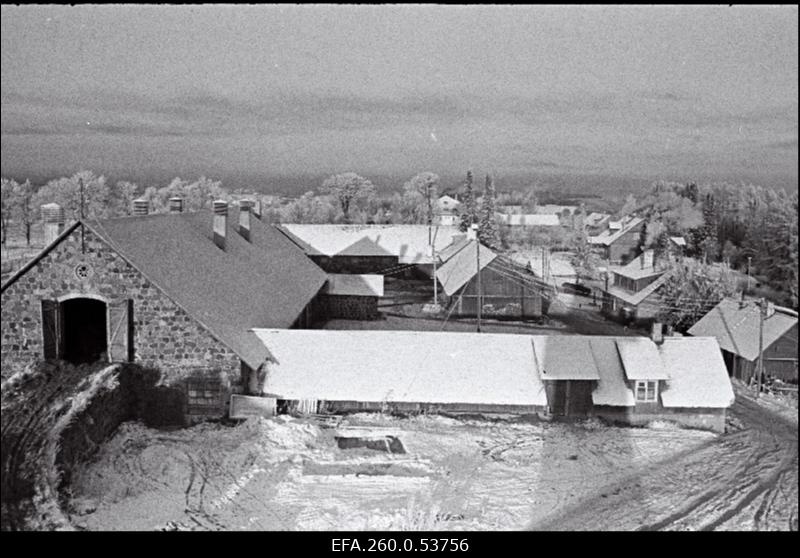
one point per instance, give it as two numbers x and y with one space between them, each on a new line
85 337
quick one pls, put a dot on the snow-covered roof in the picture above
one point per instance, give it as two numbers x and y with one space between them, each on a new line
408 242
678 240
736 327
491 369
462 266
528 220
609 236
698 377
553 209
402 366
565 357
354 285
634 299
644 265
640 359
612 389
447 203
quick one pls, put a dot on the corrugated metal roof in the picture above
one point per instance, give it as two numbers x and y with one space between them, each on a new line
565 357
698 377
736 329
402 366
640 359
263 283
462 266
408 242
354 285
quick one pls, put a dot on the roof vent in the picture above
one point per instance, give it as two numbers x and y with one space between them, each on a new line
244 219
53 217
176 205
141 207
220 222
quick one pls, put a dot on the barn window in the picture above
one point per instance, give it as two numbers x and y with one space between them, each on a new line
646 391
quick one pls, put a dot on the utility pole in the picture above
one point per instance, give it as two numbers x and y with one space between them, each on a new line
83 240
478 261
762 312
748 273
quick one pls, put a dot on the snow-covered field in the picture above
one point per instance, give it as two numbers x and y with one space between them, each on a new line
291 474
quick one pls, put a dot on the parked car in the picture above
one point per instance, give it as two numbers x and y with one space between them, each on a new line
575 288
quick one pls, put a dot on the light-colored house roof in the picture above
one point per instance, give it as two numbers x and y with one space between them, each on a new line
595 218
402 366
644 265
490 369
608 237
698 377
408 242
354 285
553 209
529 220
612 389
736 329
462 266
459 241
634 299
565 357
640 359
678 240
447 204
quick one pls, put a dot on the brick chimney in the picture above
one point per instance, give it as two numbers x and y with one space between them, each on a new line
141 207
220 222
176 205
244 218
648 259
53 217
256 209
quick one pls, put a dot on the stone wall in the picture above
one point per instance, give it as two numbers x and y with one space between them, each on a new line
350 307
164 336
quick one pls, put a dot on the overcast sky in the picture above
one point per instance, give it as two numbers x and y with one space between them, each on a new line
668 91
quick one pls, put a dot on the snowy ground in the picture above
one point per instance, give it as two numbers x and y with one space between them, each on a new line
290 474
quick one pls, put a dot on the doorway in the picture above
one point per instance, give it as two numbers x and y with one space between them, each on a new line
84 330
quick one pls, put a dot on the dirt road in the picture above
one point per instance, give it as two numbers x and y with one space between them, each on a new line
744 480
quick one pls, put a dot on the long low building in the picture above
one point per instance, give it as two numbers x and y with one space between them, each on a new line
622 379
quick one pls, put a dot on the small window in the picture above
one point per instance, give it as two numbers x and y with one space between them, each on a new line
646 391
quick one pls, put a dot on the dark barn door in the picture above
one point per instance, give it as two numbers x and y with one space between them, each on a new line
51 330
84 338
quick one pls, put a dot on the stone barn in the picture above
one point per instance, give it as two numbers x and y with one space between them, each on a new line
178 292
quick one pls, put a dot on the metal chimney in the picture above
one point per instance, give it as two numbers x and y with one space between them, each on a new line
220 222
53 217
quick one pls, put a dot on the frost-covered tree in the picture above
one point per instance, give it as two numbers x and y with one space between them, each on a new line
488 233
468 214
348 189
